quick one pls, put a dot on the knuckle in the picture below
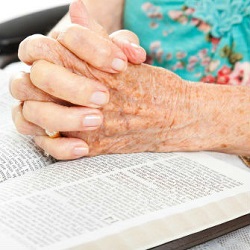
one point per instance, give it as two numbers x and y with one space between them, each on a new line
69 33
27 48
35 113
104 54
33 48
83 94
106 51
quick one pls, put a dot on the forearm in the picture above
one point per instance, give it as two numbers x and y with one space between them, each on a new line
217 118
109 15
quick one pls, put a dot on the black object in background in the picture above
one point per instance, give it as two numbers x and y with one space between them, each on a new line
14 31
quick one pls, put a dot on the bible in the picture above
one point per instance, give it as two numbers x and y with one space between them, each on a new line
127 201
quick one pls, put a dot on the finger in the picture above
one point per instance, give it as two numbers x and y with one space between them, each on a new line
65 85
128 42
37 47
54 117
79 15
22 125
98 51
21 88
63 148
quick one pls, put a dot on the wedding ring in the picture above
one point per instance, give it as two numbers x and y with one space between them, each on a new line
52 134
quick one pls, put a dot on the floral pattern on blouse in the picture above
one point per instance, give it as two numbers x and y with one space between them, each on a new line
206 40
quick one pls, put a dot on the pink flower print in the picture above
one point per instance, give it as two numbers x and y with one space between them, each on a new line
223 79
208 79
223 75
202 53
190 67
178 65
175 14
155 45
159 54
189 11
205 61
215 40
240 74
195 21
147 6
157 15
152 11
225 70
204 27
156 50
193 59
181 54
154 25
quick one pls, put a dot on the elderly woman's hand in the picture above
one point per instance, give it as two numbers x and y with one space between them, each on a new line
149 108
108 53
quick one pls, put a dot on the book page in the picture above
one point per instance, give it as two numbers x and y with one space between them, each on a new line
18 153
75 203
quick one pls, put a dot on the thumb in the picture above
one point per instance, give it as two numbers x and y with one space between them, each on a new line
80 15
126 40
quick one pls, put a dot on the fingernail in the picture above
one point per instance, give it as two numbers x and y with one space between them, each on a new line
80 151
92 121
119 64
99 98
135 45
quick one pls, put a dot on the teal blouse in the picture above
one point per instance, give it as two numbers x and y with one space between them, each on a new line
200 40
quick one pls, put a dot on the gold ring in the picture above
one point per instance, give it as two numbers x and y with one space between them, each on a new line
52 134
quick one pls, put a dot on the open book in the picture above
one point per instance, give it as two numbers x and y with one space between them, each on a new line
130 201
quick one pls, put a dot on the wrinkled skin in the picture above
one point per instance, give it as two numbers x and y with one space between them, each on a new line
152 109
140 112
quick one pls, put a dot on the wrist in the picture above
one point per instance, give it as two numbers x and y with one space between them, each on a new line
219 118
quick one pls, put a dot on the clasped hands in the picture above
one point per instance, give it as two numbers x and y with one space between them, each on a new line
94 89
